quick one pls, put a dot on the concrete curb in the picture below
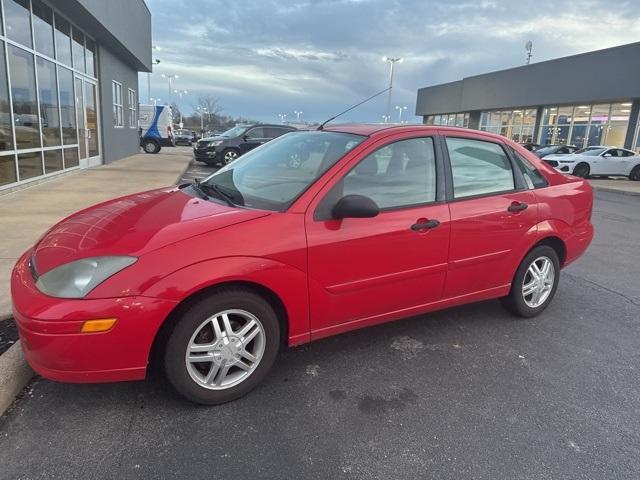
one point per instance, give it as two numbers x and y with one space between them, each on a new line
615 190
15 374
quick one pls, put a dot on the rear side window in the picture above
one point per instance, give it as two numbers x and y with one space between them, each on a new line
257 132
478 168
274 132
532 176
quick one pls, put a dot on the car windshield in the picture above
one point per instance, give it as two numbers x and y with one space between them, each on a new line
591 151
545 150
234 132
273 175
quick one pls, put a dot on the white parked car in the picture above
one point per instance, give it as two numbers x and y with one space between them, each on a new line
598 160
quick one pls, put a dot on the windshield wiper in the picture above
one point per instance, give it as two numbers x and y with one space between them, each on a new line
197 186
221 194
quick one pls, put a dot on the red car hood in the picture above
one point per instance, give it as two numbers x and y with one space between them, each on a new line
134 225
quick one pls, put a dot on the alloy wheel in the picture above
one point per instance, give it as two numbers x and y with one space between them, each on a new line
230 156
538 282
225 349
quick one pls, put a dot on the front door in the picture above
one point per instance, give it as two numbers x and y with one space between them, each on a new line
253 138
368 270
87 116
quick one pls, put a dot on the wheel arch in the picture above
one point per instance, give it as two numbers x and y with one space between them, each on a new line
162 335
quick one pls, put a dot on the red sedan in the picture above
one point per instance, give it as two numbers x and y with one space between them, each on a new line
313 234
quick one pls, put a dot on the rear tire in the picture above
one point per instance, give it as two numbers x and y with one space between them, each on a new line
522 300
151 146
582 170
225 346
635 174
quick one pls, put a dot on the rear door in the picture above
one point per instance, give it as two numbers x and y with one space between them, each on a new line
493 215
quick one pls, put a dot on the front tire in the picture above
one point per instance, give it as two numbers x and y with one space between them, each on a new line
582 170
229 155
635 174
222 347
535 283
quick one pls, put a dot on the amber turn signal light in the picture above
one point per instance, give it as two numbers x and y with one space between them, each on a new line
100 325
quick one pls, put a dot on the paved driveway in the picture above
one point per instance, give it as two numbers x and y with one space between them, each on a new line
465 393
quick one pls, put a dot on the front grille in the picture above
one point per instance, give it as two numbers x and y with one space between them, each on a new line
552 163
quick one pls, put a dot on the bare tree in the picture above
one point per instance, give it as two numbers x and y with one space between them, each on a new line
211 104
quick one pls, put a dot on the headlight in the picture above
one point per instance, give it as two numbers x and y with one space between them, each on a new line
77 279
217 143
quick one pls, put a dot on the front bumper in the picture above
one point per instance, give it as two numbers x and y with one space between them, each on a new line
54 347
207 155
565 167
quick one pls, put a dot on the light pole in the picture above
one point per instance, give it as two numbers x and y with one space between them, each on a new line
180 94
391 61
155 62
202 111
298 114
155 101
170 77
400 110
385 118
283 117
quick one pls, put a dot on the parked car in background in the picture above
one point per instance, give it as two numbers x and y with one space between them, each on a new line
530 146
598 161
183 137
226 147
545 150
376 224
156 129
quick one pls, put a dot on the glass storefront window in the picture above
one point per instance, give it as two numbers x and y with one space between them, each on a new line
91 57
71 158
53 161
29 165
43 28
49 111
8 169
67 107
78 50
23 91
18 21
565 115
6 132
63 40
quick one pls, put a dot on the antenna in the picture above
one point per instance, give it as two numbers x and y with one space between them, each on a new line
529 47
351 108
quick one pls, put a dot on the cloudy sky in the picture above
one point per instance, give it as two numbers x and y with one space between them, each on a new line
265 57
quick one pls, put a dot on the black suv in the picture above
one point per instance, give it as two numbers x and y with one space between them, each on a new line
228 146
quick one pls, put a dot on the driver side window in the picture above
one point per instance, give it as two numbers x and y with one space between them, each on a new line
398 175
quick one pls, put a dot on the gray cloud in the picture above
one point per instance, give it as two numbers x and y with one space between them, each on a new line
263 57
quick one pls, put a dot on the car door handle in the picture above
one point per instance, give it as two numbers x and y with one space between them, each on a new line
516 207
416 227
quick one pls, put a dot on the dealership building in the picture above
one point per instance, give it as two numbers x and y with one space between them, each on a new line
69 84
587 99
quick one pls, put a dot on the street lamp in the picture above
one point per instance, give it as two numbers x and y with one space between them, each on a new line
170 78
155 101
391 61
202 111
180 94
298 114
400 110
155 62
283 117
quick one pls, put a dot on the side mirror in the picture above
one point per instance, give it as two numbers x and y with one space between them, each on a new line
355 206
245 137
606 155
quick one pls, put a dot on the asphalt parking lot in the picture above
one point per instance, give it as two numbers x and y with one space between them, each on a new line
465 393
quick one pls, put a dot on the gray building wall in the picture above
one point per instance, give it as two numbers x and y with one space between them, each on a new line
117 143
602 76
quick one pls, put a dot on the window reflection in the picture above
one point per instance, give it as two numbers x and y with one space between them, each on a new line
49 111
53 161
91 57
43 28
71 158
78 50
6 134
63 40
67 107
7 170
18 21
30 165
23 91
